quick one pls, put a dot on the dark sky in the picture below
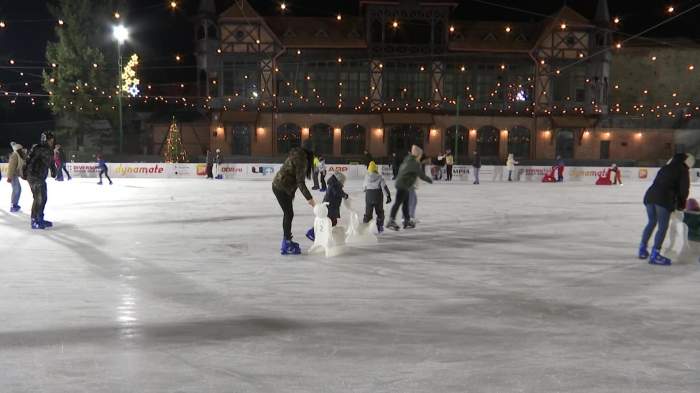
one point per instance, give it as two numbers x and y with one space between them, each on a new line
158 33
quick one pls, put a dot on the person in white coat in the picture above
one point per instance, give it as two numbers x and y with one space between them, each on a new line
510 166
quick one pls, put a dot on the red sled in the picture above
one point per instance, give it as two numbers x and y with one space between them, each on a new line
549 177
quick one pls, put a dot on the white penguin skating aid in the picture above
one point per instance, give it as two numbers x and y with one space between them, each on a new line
358 232
327 240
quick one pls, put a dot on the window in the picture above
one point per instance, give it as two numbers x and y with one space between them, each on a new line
604 150
519 142
240 141
288 137
406 81
352 140
241 78
353 80
321 136
402 137
570 85
460 135
565 143
487 141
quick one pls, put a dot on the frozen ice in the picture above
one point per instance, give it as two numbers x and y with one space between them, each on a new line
178 286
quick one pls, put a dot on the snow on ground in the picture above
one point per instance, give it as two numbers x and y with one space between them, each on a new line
178 286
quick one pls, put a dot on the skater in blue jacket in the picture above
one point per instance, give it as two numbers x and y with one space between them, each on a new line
102 166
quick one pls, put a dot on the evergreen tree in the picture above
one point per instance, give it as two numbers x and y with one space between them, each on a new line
174 150
80 80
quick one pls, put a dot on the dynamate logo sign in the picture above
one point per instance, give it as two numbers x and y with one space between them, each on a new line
229 169
140 170
262 170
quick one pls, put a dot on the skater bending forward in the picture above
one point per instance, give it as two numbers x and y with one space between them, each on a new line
296 168
409 172
668 193
374 196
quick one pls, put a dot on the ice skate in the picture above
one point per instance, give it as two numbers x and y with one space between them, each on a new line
289 247
380 229
310 234
99 183
15 208
392 225
657 259
47 224
643 252
37 224
410 224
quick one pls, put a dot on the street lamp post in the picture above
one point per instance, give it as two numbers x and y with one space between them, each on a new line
121 34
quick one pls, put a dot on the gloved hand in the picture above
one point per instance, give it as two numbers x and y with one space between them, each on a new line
388 199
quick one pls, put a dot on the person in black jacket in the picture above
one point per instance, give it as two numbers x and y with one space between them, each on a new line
39 164
395 165
668 193
367 158
334 196
476 164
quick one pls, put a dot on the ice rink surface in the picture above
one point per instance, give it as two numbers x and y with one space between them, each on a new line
178 286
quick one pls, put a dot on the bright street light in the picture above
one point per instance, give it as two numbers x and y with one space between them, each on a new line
120 33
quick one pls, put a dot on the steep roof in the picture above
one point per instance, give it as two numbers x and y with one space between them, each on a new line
318 32
240 9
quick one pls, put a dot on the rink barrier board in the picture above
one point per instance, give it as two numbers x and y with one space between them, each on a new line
465 173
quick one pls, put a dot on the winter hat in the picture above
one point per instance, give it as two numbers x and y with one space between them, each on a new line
692 205
416 151
340 177
689 160
372 167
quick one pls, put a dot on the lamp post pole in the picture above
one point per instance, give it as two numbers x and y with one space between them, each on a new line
119 97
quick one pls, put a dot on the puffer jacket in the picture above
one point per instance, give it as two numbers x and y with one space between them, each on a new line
375 181
334 197
293 173
671 185
409 172
40 163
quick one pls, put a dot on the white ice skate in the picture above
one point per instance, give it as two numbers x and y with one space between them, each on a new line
328 240
358 232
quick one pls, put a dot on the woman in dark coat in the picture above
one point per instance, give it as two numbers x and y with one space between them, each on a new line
668 193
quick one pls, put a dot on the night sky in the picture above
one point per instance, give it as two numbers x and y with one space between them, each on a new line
158 33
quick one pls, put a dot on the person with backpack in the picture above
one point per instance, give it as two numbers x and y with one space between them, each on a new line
17 160
38 166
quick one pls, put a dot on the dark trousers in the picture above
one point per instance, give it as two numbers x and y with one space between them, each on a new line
402 202
395 170
660 216
322 176
315 176
286 203
104 172
374 203
64 169
210 171
449 172
40 196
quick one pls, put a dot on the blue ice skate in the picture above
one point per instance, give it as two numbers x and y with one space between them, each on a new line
289 247
643 252
657 259
380 229
37 224
311 235
15 208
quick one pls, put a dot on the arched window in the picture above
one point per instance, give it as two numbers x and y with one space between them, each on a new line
241 138
457 140
288 137
565 143
402 137
321 136
519 142
352 140
487 141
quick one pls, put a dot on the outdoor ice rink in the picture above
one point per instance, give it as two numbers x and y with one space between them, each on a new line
178 286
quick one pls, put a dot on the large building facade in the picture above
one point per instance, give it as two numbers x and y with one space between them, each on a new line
405 72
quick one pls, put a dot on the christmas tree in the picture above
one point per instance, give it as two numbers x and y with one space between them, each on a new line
174 151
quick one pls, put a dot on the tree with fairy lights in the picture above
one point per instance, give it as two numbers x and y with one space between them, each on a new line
174 150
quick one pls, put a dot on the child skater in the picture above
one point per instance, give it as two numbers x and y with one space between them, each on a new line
334 197
322 172
374 197
102 166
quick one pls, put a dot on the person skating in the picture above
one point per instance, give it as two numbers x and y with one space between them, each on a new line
39 166
367 158
409 172
476 165
57 163
560 165
668 192
17 160
322 172
395 165
62 158
217 162
291 176
315 173
102 167
449 163
210 164
510 166
374 188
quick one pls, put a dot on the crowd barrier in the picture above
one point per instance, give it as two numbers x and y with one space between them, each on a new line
488 173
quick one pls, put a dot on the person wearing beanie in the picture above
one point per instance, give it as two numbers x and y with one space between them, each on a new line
17 160
374 196
668 192
335 195
39 165
409 172
290 177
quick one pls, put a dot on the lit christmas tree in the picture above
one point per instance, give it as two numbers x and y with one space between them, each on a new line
174 151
